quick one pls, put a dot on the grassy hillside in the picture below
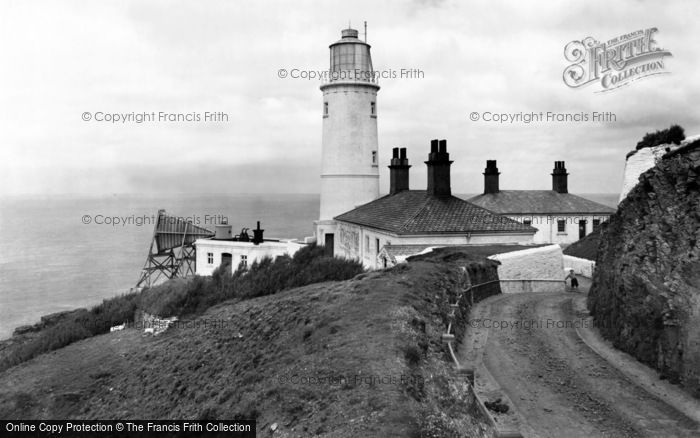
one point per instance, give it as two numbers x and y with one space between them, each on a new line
179 297
355 358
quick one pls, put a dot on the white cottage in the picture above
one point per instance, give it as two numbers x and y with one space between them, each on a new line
413 220
559 216
235 250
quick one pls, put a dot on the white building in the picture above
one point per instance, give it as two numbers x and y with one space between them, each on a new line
559 216
412 220
350 173
227 249
354 222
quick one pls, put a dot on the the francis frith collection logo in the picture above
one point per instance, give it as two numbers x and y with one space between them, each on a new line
616 62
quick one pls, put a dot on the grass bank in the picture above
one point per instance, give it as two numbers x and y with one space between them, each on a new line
180 297
361 357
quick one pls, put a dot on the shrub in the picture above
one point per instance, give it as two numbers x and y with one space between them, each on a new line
412 354
180 297
74 327
165 299
674 134
308 265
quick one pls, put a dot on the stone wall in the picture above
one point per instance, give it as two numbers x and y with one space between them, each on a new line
153 323
645 295
531 270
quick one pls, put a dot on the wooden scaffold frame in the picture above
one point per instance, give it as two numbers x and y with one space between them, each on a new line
172 253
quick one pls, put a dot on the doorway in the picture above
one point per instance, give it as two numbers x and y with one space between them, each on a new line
581 229
328 244
226 261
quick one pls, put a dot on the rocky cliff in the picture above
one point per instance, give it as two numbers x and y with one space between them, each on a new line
645 296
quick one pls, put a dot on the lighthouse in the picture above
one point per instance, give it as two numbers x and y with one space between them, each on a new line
350 153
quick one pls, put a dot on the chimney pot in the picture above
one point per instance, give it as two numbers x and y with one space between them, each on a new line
398 171
560 177
433 146
258 235
439 169
491 177
395 153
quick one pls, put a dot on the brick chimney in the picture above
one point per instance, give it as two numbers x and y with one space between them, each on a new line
398 171
491 177
560 178
439 169
258 235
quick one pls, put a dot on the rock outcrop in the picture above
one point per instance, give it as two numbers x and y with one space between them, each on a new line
645 295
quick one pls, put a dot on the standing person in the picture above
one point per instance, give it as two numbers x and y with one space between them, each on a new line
574 280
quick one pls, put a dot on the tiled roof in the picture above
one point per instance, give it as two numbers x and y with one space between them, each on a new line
399 253
412 212
405 250
538 202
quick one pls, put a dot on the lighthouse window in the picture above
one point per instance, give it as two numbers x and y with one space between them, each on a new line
374 158
325 108
373 109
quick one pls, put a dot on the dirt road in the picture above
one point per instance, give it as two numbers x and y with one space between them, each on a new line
559 386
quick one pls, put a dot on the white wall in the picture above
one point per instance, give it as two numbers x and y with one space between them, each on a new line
547 230
323 227
543 263
237 250
349 177
580 266
638 163
644 159
351 241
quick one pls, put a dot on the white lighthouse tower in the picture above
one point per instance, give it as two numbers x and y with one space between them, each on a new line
349 168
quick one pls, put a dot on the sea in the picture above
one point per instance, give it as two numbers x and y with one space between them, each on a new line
65 252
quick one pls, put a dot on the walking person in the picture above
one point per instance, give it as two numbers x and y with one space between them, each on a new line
574 280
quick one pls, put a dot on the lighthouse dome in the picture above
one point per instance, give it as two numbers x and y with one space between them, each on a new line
350 59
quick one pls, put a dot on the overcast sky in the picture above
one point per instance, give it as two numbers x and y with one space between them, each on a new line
61 59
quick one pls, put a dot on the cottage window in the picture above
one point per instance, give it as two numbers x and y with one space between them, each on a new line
561 226
376 244
244 261
596 224
366 243
527 222
210 258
